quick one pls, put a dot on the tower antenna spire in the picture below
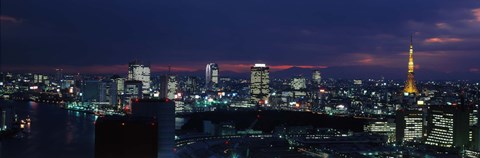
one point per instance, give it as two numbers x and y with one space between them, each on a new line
411 39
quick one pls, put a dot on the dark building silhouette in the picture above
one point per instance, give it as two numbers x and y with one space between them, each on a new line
163 110
126 137
93 91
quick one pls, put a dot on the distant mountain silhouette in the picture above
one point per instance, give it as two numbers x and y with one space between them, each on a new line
348 72
375 72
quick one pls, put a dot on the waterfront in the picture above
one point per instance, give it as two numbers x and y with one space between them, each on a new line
55 132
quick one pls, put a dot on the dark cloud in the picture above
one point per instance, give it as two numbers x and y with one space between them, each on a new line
280 32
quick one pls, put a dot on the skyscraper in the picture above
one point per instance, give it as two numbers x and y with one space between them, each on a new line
140 72
316 77
172 87
191 85
211 75
132 90
447 126
120 85
410 86
58 75
298 83
93 91
168 86
409 126
259 83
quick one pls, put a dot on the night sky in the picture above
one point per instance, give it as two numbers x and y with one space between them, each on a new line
102 36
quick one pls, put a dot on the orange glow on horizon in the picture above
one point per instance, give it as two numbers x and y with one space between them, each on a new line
442 40
120 69
476 13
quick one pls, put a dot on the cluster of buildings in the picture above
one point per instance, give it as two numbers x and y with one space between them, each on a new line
410 115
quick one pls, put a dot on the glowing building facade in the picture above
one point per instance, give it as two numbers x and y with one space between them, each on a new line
168 86
211 75
447 126
387 127
298 83
140 72
409 126
259 83
172 87
316 77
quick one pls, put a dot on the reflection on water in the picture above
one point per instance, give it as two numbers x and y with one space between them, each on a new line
179 122
53 132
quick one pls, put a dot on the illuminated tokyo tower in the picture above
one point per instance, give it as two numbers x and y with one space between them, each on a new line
410 86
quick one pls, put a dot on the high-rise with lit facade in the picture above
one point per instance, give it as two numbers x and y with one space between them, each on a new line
211 75
410 86
132 90
191 85
120 85
447 126
140 72
316 77
259 83
384 127
409 126
168 86
172 87
298 83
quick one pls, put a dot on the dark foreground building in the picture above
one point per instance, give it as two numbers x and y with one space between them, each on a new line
148 132
447 126
122 137
163 111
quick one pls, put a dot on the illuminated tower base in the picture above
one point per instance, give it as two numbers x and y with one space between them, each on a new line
410 86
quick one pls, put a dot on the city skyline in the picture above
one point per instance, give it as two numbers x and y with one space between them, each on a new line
317 35
252 78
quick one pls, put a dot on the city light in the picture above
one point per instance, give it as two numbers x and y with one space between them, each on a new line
240 79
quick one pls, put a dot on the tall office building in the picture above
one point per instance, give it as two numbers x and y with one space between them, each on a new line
168 86
409 126
448 126
163 110
211 75
3 126
172 87
120 85
140 72
93 91
259 83
132 90
316 77
58 75
298 83
191 85
410 86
